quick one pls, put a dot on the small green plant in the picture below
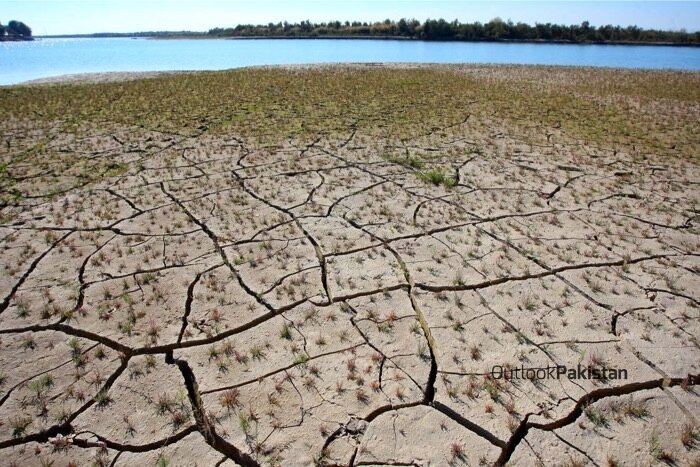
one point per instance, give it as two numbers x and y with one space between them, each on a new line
244 423
164 404
301 358
115 169
44 382
257 352
437 177
213 353
636 408
285 332
492 389
103 399
422 350
413 162
28 343
655 449
162 461
79 359
596 416
126 327
75 345
22 309
100 353
19 425
529 303
148 278
150 361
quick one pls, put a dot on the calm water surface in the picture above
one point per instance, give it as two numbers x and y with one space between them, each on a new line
22 61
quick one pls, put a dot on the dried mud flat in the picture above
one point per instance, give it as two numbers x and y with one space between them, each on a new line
323 266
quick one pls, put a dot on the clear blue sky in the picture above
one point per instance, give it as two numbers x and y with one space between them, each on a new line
86 16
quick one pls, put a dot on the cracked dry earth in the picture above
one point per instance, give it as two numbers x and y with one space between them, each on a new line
252 284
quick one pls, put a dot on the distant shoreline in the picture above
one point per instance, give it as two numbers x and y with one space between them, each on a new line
359 37
15 39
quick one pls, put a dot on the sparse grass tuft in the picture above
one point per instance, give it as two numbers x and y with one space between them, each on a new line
244 423
437 177
19 425
285 332
413 162
103 399
690 436
656 450
230 399
162 461
596 416
457 451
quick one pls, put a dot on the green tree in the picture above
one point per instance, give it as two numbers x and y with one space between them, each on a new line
403 27
18 28
439 29
495 29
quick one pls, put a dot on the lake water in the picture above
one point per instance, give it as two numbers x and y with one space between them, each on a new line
22 61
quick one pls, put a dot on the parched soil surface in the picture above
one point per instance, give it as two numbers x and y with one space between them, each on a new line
324 265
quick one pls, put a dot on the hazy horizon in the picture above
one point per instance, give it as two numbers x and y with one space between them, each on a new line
58 17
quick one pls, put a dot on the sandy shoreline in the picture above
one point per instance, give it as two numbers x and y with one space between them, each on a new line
119 76
103 77
116 76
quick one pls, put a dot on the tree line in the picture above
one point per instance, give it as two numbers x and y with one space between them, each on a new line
439 29
15 30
